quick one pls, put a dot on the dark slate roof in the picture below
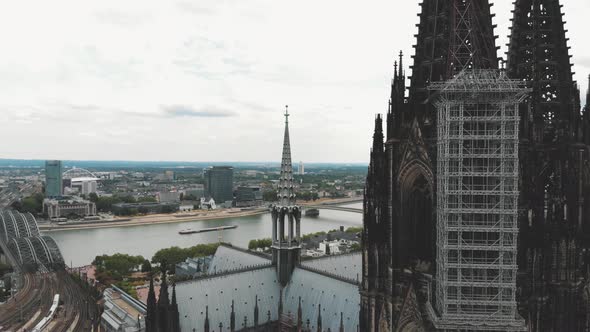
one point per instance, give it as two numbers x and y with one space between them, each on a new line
230 258
335 296
347 266
219 291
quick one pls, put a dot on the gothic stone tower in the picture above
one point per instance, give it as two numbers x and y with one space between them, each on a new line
554 153
286 216
399 239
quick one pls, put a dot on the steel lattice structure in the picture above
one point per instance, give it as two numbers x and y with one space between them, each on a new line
20 234
477 201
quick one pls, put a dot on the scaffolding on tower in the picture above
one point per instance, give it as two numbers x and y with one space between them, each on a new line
477 201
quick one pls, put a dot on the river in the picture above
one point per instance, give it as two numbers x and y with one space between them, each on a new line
79 247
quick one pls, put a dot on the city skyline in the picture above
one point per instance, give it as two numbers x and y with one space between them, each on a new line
178 81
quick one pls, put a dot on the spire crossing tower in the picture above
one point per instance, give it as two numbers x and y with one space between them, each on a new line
286 214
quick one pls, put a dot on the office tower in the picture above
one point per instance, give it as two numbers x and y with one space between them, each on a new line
219 181
53 178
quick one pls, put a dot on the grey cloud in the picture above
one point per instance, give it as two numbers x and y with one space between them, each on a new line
120 18
174 111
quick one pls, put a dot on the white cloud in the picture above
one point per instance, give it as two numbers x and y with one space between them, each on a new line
140 79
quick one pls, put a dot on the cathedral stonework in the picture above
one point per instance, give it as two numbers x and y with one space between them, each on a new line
401 238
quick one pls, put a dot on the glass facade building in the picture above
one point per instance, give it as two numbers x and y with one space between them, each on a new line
53 178
219 182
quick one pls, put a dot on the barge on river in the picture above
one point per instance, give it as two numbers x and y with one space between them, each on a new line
203 230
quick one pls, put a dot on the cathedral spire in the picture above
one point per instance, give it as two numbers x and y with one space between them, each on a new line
206 327
299 316
232 318
286 188
280 303
401 65
163 304
319 318
174 314
378 135
286 216
538 53
150 324
256 311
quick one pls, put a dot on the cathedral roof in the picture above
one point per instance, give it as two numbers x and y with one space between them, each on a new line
334 296
228 258
218 292
347 266
242 277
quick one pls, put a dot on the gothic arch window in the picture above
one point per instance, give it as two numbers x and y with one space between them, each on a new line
417 217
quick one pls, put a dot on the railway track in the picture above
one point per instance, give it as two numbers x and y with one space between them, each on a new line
27 302
79 307
32 303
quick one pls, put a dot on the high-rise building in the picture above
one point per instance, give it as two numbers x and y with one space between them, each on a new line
301 168
53 178
219 183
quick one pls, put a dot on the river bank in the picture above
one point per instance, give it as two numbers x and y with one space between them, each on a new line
81 246
179 217
154 220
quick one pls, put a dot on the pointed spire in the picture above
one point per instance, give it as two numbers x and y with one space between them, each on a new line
206 327
299 316
378 135
174 314
341 322
163 304
256 311
280 303
286 188
401 65
150 322
232 318
319 318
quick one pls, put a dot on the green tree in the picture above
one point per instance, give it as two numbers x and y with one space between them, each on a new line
269 196
31 204
146 266
93 197
355 247
174 255
117 266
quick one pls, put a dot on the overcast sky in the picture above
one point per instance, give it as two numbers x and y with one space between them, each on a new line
207 80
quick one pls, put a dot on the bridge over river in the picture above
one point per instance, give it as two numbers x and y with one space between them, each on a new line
335 207
22 243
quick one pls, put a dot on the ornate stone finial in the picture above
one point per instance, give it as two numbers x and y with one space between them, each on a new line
206 327
286 113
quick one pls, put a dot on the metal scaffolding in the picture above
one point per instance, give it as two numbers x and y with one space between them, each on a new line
477 201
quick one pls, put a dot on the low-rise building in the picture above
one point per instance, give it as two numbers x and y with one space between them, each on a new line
195 192
122 313
168 197
59 208
330 247
146 207
193 267
187 206
248 196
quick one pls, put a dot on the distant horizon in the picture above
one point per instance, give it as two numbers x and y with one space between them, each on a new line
8 162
